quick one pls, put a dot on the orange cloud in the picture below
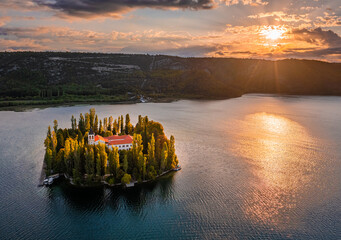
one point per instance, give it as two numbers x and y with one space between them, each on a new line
4 20
283 17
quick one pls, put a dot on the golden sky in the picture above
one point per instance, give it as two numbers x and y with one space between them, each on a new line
269 29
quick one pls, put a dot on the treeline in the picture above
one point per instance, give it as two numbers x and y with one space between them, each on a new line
67 150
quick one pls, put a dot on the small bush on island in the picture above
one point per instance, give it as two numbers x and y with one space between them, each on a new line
126 178
68 151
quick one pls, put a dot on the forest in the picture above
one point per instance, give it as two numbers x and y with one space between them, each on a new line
67 150
40 78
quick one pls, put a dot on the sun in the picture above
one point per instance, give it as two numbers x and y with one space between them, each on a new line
273 32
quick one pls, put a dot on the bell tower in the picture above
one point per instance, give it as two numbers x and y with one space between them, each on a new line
91 137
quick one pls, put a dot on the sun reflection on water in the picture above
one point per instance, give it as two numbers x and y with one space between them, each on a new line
279 152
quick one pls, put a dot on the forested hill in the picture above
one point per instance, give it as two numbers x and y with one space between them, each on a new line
38 76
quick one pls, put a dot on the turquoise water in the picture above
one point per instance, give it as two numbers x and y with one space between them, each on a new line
255 167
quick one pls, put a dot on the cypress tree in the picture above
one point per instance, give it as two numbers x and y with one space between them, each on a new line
128 127
81 123
151 151
89 162
87 122
171 154
55 125
164 155
110 124
95 126
125 162
98 165
92 117
116 161
101 130
105 124
122 128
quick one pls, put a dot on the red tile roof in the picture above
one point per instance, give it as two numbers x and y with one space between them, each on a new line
98 137
115 139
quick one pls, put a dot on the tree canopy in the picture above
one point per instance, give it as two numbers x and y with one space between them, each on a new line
68 151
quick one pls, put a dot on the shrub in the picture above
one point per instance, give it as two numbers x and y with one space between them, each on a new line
126 178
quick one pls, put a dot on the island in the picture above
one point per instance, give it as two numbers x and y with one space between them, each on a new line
111 152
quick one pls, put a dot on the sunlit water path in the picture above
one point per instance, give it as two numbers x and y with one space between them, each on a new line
259 167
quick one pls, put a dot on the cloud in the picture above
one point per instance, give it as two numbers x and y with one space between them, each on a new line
4 20
308 8
328 20
245 2
186 51
317 36
97 8
284 17
235 41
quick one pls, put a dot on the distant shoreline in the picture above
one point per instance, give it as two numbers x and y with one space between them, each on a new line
24 107
38 104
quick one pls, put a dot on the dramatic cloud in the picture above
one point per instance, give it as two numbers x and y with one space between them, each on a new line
270 29
91 8
317 36
246 2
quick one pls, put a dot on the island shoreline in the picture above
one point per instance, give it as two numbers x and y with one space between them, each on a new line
23 108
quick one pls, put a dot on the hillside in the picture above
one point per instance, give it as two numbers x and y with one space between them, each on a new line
53 77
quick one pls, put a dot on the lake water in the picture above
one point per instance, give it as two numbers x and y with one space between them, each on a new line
255 167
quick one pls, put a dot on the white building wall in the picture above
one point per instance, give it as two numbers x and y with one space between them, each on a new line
122 146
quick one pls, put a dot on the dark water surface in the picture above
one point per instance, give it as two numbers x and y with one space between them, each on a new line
256 167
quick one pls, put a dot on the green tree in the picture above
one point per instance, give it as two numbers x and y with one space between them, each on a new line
116 162
129 126
73 127
140 163
98 165
81 123
58 167
67 151
89 162
101 129
49 131
151 151
54 141
125 162
144 166
164 155
92 117
107 134
111 162
103 158
122 128
87 122
171 154
115 128
105 124
152 173
80 136
48 141
76 159
60 139
119 125
95 126
48 161
137 147
110 124
55 125
126 179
